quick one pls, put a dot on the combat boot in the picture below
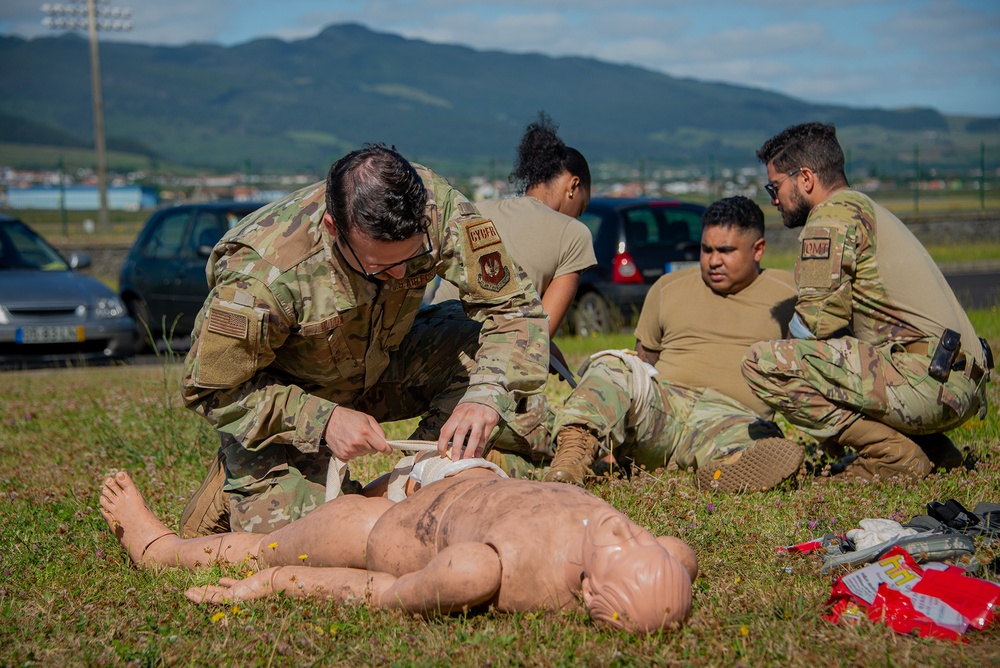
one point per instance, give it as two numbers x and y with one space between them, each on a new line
576 449
763 465
882 452
940 450
208 510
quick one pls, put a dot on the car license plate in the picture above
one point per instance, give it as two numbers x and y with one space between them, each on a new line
66 334
677 266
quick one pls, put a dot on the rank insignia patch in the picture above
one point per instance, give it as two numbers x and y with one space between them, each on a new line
493 275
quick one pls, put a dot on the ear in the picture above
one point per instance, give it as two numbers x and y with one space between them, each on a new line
810 182
573 186
758 249
330 225
680 551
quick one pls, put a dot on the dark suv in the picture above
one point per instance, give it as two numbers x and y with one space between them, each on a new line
162 280
636 241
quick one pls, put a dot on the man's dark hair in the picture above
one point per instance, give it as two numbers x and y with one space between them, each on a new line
812 145
739 212
542 156
378 191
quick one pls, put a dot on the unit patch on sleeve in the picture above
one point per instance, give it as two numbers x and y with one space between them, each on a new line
493 275
482 235
816 248
489 271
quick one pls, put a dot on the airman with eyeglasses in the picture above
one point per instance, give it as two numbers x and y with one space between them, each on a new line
873 316
313 335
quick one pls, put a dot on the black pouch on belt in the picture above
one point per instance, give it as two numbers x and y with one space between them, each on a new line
944 355
988 352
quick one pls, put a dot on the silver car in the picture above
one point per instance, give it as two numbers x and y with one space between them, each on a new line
49 312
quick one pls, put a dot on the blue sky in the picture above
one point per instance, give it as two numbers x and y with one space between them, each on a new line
943 54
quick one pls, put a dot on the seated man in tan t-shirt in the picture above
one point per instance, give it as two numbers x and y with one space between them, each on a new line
680 397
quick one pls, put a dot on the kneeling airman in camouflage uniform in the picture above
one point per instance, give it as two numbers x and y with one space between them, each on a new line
313 334
884 358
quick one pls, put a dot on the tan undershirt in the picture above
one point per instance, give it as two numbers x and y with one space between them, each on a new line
702 336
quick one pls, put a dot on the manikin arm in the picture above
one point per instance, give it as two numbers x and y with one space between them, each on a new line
459 577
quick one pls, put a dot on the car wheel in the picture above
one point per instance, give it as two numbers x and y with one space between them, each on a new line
591 315
143 330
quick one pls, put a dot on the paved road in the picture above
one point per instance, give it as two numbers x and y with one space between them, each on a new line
976 289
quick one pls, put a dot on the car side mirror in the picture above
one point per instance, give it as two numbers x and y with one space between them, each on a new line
79 260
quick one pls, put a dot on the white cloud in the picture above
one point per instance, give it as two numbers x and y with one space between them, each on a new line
940 53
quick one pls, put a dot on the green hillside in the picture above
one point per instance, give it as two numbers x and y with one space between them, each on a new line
298 105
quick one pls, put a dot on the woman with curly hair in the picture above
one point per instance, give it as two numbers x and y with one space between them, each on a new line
540 228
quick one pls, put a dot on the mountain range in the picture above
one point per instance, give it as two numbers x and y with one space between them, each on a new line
298 105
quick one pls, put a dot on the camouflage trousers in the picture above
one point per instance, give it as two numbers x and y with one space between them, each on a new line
823 386
674 423
426 378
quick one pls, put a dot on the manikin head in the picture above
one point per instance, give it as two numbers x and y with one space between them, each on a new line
631 580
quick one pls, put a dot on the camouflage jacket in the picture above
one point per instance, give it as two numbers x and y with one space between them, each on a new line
861 272
289 330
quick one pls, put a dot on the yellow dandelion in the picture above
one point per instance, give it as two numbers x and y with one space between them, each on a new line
744 631
219 616
614 616
737 580
303 557
249 572
273 546
235 610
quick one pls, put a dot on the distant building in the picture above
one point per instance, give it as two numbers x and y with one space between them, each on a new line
120 198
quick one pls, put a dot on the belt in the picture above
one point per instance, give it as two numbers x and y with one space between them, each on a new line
962 363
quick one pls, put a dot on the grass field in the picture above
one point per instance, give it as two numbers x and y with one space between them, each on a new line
68 595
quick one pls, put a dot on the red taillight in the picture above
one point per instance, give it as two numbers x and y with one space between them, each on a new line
624 270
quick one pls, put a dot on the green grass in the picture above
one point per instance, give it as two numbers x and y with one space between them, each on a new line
68 595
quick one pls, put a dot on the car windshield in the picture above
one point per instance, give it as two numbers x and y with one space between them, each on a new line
20 248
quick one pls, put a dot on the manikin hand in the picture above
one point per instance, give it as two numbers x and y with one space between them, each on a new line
257 585
469 426
350 433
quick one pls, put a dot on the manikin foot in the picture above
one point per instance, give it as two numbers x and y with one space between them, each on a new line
131 520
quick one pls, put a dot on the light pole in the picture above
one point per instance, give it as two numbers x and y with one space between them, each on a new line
93 15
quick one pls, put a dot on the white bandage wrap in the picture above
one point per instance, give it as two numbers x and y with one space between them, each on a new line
398 477
643 384
335 478
877 531
432 469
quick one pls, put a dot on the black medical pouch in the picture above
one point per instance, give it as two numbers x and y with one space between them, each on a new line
944 355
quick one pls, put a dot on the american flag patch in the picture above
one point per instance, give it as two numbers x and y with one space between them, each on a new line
227 323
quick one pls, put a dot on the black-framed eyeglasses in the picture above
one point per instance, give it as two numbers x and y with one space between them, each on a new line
427 250
772 186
